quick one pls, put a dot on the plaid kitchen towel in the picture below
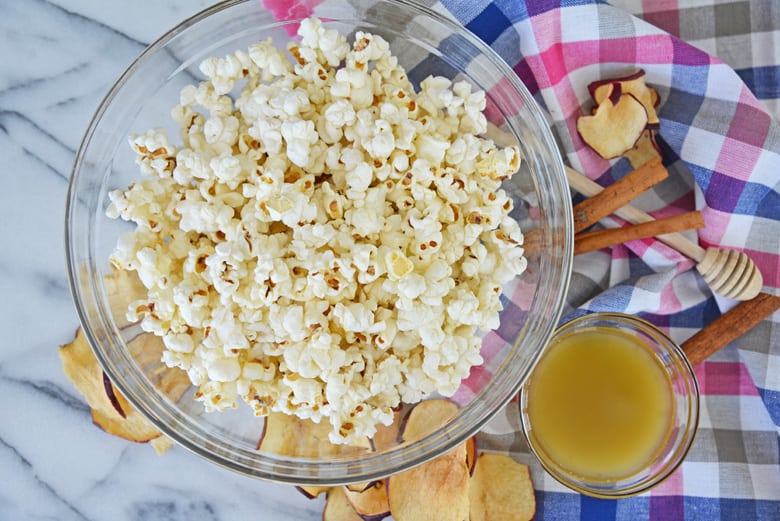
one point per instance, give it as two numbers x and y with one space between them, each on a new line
716 65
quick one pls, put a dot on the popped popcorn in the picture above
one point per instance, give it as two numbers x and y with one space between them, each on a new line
326 242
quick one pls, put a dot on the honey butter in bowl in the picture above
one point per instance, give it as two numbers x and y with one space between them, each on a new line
612 407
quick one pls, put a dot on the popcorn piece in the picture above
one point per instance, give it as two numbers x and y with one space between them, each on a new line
156 156
398 266
332 47
327 242
270 61
299 136
224 370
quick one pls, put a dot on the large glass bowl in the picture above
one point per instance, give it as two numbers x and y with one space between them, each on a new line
425 43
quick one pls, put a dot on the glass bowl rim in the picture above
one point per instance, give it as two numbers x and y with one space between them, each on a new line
691 427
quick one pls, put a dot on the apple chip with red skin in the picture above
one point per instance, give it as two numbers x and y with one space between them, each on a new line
311 491
633 84
371 503
133 428
359 487
615 127
110 410
645 149
439 488
501 490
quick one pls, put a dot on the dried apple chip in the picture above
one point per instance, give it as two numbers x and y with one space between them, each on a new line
644 150
146 350
608 90
311 491
501 490
113 397
427 417
615 127
387 436
337 508
161 444
633 84
371 504
133 428
122 287
359 487
278 434
471 453
438 489
82 368
287 435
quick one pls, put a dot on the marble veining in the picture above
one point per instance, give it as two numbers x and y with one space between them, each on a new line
58 58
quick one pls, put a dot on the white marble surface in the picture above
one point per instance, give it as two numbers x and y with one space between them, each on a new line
57 60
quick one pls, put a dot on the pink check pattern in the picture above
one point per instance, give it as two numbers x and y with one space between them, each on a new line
716 65
721 144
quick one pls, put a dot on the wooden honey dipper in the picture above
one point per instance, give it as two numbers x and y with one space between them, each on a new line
729 273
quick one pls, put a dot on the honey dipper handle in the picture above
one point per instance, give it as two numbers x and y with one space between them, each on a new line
729 326
634 215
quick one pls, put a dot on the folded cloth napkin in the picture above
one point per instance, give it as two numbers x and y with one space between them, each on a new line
721 146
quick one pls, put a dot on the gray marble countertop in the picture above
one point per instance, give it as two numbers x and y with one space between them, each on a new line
59 58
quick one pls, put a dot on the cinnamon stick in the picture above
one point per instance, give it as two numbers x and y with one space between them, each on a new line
618 194
634 215
589 241
729 326
533 241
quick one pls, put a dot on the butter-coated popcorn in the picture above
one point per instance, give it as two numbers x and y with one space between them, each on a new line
326 242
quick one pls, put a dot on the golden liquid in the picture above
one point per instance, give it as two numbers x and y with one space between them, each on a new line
600 404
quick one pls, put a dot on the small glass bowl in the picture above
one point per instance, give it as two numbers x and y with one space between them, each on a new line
426 43
684 415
